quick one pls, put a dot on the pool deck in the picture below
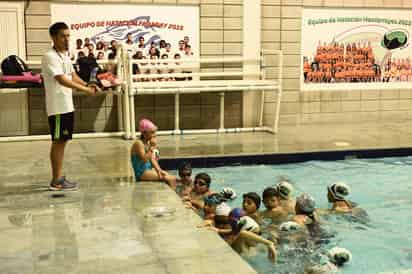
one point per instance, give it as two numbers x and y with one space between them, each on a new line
107 226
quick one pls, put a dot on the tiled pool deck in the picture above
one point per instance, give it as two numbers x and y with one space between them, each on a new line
105 227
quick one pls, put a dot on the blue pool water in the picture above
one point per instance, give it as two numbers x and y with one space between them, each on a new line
383 187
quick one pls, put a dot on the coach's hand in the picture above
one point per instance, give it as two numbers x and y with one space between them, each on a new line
95 88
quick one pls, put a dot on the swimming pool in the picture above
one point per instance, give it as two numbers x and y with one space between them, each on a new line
383 187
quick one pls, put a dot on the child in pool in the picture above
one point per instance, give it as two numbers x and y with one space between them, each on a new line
142 155
337 258
286 200
307 216
222 216
251 205
305 210
216 212
185 182
244 233
273 210
337 194
209 209
200 190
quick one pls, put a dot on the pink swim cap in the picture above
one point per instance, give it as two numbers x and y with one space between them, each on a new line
146 125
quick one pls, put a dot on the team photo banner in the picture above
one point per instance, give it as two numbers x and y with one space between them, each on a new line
107 22
356 49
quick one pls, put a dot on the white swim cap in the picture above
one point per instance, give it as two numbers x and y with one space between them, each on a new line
289 226
306 203
339 190
223 209
339 256
247 223
285 189
228 193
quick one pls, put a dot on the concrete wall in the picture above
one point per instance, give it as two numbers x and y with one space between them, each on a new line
281 29
220 34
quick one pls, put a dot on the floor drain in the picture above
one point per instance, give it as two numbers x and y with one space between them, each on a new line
160 211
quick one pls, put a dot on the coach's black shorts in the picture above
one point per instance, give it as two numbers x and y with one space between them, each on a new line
61 126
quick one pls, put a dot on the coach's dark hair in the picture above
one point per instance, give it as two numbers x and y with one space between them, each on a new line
56 27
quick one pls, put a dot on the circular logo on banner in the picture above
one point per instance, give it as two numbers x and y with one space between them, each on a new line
395 39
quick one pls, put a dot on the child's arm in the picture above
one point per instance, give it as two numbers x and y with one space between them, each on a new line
224 231
199 204
254 237
156 165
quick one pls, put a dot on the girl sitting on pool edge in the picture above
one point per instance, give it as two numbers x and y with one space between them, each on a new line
142 156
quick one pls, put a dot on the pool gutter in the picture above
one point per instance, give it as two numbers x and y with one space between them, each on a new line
283 158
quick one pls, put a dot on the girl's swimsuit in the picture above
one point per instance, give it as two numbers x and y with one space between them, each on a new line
139 166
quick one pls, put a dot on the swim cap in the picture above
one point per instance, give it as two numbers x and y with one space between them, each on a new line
339 190
228 193
254 197
289 226
306 203
212 199
248 224
339 256
236 213
223 209
285 189
146 125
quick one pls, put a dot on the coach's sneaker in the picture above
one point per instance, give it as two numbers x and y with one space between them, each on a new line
62 185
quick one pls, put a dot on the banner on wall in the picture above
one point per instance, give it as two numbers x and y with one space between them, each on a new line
356 49
102 23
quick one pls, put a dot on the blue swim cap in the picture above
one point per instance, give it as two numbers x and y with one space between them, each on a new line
213 199
237 213
234 217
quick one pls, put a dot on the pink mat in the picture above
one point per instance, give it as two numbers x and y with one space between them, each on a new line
26 77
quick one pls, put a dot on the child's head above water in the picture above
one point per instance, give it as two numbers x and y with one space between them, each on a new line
251 202
305 204
338 192
234 217
270 198
228 193
285 190
185 171
202 183
211 202
222 215
339 256
240 221
223 209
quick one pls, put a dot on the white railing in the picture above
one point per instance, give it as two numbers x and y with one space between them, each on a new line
135 85
142 87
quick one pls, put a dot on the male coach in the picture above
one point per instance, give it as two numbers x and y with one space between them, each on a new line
59 80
